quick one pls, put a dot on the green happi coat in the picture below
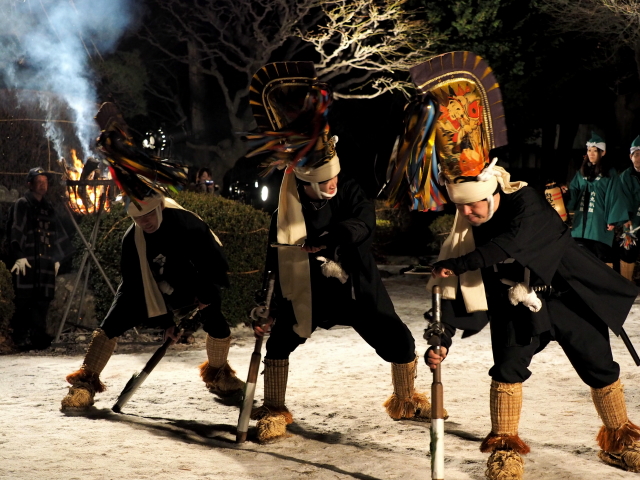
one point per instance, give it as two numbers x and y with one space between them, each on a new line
605 205
630 180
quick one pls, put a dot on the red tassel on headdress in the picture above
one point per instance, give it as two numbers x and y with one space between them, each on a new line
135 172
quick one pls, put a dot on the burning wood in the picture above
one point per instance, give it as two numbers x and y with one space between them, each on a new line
88 191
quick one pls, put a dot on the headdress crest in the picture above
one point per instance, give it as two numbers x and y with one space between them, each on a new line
291 109
450 128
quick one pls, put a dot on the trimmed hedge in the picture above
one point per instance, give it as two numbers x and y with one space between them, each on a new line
242 230
6 304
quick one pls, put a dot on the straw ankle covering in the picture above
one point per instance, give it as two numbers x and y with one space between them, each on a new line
618 432
100 350
505 465
217 350
216 373
505 401
626 270
276 374
86 381
273 416
405 401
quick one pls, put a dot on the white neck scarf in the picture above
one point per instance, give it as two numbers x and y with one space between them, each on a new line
460 241
152 295
293 264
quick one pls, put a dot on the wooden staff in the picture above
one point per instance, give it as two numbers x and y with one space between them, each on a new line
433 336
260 315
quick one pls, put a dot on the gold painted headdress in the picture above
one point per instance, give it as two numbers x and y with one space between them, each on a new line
470 124
450 128
471 121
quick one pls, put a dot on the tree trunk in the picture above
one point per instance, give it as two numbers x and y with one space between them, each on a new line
197 97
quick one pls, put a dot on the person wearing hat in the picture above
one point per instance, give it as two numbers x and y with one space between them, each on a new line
511 262
630 179
171 261
38 243
321 237
598 202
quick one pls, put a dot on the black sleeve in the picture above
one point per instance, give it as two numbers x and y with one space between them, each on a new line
63 246
208 258
481 257
358 220
445 340
18 228
271 263
131 283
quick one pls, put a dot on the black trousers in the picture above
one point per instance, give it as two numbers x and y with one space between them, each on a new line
581 334
126 314
382 329
601 250
29 323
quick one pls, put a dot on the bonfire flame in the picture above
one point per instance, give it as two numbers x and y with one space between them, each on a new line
86 189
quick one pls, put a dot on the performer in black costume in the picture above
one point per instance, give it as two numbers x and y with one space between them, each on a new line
170 260
332 279
511 261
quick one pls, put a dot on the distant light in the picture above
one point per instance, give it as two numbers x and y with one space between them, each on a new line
264 194
256 184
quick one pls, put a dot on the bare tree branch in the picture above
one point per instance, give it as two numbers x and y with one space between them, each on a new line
360 46
615 22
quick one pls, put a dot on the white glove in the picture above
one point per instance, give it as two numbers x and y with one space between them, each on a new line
523 293
20 266
56 267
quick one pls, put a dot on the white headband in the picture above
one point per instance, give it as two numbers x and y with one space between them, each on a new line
601 145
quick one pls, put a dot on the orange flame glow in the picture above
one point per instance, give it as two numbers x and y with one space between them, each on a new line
85 198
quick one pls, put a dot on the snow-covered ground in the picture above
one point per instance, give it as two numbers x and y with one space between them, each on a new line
173 428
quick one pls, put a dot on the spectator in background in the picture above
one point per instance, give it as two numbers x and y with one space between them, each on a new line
628 248
38 244
598 201
204 182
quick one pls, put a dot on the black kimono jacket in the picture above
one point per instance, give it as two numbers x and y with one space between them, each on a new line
527 229
182 253
37 235
349 221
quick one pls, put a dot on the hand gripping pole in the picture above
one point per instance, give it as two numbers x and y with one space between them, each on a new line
433 336
259 314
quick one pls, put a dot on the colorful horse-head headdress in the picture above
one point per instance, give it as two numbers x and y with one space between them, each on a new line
138 174
449 130
291 109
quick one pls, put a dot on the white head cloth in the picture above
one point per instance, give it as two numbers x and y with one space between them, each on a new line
460 241
601 145
152 296
633 149
293 264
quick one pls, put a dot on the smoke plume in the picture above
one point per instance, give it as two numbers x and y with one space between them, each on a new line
47 45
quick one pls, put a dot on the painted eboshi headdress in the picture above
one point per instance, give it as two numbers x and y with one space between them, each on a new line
291 110
450 128
463 121
138 174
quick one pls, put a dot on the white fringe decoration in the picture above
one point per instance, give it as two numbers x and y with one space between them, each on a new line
523 293
489 172
332 269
